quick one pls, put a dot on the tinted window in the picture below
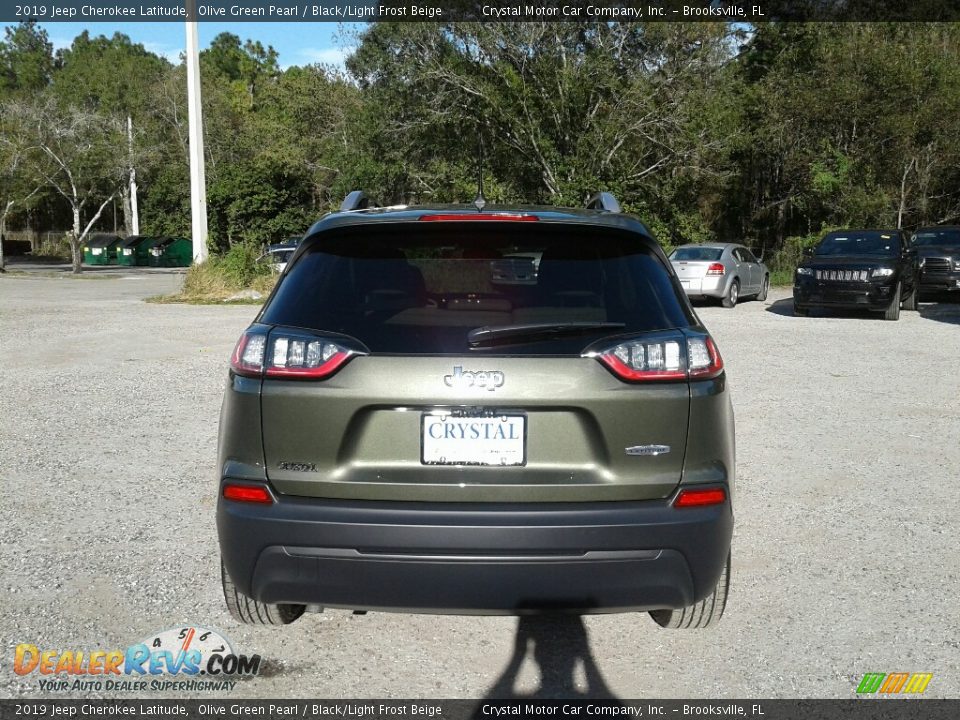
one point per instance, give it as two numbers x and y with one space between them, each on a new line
937 237
414 289
862 242
696 253
747 256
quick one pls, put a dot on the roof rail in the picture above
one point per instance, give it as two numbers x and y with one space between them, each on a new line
603 201
356 200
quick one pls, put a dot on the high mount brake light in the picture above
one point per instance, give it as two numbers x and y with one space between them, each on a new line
475 217
700 497
662 358
288 356
716 269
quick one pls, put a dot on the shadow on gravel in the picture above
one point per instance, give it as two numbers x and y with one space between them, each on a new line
784 308
557 644
781 307
942 311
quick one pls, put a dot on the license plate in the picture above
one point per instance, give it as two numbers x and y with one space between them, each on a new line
684 284
455 440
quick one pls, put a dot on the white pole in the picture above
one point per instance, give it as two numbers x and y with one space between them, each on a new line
198 189
134 211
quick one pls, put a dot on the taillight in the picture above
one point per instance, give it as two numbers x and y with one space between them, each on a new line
474 217
715 269
700 497
675 357
288 355
247 493
703 358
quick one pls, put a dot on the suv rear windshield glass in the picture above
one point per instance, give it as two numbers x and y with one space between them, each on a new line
412 289
863 242
696 253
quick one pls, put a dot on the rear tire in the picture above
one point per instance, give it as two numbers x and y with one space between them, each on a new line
733 294
703 614
893 311
764 289
252 612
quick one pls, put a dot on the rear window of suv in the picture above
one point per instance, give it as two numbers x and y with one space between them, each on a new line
411 289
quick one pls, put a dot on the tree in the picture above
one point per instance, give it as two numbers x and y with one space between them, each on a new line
564 108
118 78
15 178
79 154
26 59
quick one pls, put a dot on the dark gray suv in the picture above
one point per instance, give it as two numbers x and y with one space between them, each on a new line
479 411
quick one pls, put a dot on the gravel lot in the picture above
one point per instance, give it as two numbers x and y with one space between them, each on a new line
845 555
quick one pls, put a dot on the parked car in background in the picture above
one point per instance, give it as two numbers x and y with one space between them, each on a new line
277 256
858 269
938 254
400 433
727 271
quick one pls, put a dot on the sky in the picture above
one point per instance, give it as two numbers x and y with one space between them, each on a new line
297 43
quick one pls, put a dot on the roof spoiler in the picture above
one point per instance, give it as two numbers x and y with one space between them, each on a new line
603 201
357 200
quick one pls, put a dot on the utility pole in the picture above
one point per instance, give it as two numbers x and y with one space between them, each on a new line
134 212
198 189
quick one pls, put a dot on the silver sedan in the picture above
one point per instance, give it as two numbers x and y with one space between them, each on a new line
727 271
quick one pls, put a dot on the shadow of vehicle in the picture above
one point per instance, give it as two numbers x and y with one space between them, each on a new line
557 644
945 310
782 307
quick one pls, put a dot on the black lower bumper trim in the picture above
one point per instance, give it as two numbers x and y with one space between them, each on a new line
478 558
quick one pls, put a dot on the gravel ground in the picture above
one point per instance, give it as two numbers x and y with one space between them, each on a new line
845 555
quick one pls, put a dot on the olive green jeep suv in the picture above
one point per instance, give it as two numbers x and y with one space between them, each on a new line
476 410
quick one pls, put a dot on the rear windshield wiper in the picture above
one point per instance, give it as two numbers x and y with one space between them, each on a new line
490 334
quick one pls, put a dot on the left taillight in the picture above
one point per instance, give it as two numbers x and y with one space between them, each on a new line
289 355
662 358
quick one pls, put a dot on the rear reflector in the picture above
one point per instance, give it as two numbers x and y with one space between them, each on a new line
699 498
474 217
247 493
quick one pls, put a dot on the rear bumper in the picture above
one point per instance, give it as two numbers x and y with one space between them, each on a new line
706 287
475 559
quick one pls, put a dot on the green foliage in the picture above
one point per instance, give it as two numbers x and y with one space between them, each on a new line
26 58
239 264
706 131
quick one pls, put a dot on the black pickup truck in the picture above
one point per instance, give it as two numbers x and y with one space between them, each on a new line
938 249
873 270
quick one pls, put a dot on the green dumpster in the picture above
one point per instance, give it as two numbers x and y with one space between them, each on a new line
135 250
171 252
101 249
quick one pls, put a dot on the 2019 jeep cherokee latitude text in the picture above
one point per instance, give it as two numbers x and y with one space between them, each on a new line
403 431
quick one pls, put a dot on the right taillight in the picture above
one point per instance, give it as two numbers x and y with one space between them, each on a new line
289 355
716 269
675 357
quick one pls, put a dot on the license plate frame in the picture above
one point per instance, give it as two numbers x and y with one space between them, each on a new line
484 451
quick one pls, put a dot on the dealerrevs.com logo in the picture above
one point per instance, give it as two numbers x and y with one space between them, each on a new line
185 658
